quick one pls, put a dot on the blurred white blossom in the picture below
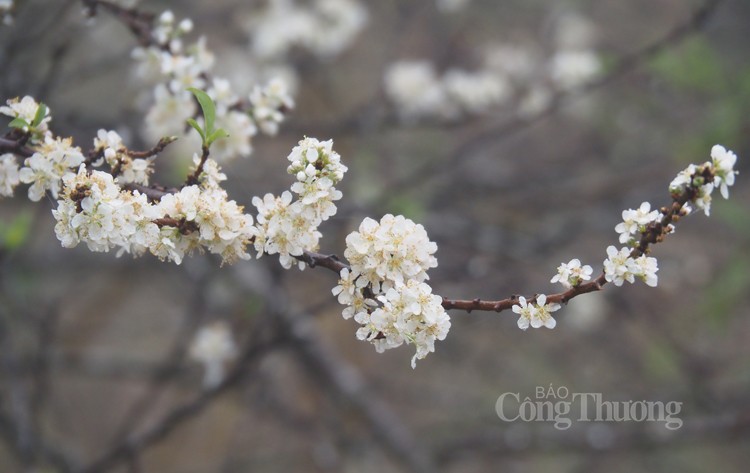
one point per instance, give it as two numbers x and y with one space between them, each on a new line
213 346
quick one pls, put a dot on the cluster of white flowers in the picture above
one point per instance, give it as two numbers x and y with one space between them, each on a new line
54 159
269 103
26 109
289 228
174 68
571 69
115 154
418 90
324 27
213 346
715 174
572 273
384 288
620 267
535 314
696 182
222 227
9 177
634 222
406 313
93 209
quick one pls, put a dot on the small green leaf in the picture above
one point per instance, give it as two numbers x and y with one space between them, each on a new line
208 107
41 112
18 123
198 128
16 232
220 133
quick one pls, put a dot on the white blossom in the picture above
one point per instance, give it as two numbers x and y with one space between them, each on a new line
573 68
416 90
129 170
213 346
635 221
9 177
324 27
391 251
169 113
572 273
289 228
222 227
476 92
45 168
408 313
26 109
619 266
645 268
723 161
702 198
241 130
269 104
94 210
535 314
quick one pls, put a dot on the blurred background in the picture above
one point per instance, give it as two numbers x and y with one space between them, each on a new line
95 366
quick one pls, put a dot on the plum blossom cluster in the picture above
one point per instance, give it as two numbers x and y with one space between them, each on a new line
634 222
417 90
535 313
698 183
323 27
639 228
510 75
213 346
52 159
287 227
108 144
703 179
572 273
620 267
384 288
174 68
94 208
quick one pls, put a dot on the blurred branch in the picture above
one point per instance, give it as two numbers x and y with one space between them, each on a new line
170 367
343 378
132 447
499 130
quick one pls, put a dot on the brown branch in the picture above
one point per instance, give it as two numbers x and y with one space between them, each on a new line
15 146
160 146
134 445
140 23
653 234
193 178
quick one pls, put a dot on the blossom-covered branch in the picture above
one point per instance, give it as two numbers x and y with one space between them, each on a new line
105 199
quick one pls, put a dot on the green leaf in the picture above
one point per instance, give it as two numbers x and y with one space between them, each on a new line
220 133
198 128
16 232
41 112
208 107
18 123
